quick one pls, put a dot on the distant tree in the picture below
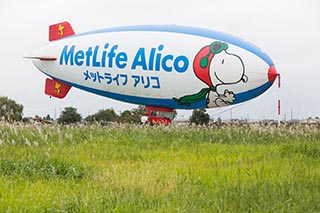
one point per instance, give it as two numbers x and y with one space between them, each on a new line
48 118
69 115
139 111
128 116
10 110
103 116
199 117
26 120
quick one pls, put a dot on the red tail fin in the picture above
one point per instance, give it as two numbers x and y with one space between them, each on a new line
56 88
60 30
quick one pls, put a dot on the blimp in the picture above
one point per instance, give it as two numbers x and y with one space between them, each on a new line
163 67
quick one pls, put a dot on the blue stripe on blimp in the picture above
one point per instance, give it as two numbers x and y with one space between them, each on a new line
245 96
169 103
189 31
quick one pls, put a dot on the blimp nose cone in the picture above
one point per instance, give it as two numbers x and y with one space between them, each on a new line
272 74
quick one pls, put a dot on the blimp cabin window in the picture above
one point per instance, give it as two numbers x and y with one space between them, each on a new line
161 114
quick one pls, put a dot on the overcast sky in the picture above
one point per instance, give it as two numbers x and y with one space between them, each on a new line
287 30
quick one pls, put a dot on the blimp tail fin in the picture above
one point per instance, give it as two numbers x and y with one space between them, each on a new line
56 88
60 30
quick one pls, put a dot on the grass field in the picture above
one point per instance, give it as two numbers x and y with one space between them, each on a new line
131 168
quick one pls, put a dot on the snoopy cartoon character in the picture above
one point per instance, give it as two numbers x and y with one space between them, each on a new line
216 67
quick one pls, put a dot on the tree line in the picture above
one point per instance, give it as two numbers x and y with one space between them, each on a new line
11 111
70 115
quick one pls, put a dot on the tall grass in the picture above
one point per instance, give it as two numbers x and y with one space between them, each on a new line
132 168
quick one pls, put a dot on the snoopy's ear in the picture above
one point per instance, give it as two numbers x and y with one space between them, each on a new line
244 78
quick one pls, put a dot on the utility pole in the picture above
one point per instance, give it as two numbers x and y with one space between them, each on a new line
279 116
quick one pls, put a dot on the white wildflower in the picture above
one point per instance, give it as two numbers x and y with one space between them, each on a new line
35 143
27 142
